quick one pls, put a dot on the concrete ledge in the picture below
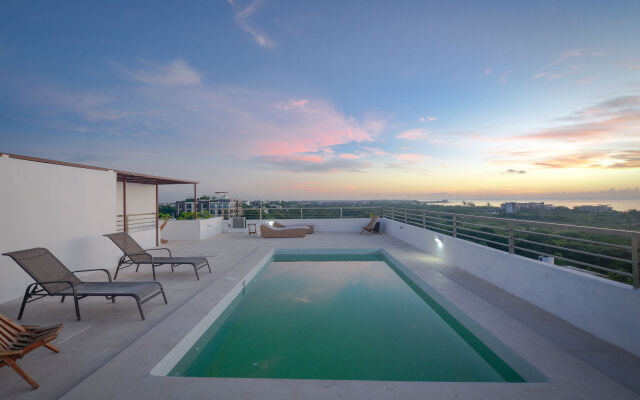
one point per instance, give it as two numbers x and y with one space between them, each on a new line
322 224
609 310
192 229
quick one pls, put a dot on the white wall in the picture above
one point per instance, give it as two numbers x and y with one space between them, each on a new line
141 198
322 225
607 309
193 229
64 209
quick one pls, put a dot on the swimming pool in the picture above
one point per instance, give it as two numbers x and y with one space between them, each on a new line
353 314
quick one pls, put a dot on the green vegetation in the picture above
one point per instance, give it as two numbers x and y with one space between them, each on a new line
190 215
167 209
530 241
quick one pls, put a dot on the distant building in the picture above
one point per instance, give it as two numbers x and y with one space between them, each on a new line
594 209
513 207
218 205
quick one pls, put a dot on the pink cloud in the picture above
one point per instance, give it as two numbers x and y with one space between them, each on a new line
293 104
411 157
413 134
350 156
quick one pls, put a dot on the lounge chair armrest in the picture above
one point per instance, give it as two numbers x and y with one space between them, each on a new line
161 248
96 269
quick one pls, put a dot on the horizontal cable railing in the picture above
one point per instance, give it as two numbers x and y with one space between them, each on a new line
136 222
612 253
310 213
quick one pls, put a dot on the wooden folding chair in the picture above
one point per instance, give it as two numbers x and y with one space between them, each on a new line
18 340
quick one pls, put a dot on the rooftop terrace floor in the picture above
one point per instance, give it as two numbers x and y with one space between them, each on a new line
110 353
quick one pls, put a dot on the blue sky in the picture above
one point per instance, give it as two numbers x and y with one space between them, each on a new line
332 99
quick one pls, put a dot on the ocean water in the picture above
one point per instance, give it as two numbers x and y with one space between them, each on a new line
616 204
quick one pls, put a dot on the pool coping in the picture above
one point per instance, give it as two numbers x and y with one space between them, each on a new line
569 377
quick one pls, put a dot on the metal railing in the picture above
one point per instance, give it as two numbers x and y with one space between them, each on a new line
136 222
607 252
310 212
225 213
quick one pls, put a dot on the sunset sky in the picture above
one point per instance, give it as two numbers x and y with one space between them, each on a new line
332 99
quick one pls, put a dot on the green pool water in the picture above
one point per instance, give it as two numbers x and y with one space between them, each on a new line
348 316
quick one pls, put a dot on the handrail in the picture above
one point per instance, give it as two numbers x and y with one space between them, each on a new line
594 229
615 254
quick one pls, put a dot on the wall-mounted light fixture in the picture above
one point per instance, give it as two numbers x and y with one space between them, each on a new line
439 241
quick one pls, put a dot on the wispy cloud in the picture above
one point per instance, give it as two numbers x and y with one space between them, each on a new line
612 119
595 159
604 135
294 163
504 76
176 72
427 118
550 76
512 171
218 120
567 54
241 18
413 134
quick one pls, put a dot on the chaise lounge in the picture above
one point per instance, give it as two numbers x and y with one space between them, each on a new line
372 227
17 340
52 278
134 254
310 228
267 231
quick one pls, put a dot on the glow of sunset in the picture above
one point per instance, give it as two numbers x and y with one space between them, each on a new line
333 100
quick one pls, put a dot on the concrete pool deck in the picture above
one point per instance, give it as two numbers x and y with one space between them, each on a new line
110 353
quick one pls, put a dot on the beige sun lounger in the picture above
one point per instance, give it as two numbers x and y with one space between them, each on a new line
267 231
310 228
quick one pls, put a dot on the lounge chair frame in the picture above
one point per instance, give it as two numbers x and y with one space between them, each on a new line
142 256
77 289
18 340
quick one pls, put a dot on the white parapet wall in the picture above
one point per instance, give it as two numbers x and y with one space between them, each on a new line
64 209
605 308
190 229
321 224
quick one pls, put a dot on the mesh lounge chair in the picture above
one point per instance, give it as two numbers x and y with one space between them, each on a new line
371 226
136 255
52 278
310 228
17 340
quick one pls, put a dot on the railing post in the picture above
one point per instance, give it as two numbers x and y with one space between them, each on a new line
340 212
261 214
455 227
405 215
424 221
635 261
512 249
300 212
